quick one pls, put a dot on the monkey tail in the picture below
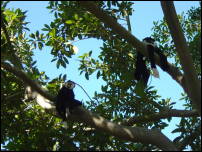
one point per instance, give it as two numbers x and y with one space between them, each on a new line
84 91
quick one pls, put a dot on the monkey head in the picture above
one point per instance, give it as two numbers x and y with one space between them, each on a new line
69 84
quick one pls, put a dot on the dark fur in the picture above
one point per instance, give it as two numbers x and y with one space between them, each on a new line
163 59
141 72
65 99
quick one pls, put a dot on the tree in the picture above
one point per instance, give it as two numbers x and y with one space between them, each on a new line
126 116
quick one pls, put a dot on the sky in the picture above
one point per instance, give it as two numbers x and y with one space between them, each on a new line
141 21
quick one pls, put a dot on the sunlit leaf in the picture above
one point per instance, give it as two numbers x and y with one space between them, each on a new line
70 22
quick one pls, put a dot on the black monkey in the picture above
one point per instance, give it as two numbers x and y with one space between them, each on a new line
65 101
151 48
141 72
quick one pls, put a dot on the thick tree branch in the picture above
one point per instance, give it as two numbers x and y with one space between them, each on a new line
135 134
141 47
193 84
26 79
80 114
161 115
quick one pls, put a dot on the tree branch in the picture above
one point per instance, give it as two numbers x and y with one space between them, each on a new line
174 72
135 134
22 76
161 115
193 84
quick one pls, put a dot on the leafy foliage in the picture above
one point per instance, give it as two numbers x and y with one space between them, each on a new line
121 96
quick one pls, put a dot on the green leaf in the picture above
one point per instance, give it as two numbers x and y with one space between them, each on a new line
41 36
63 63
70 22
90 53
40 45
80 36
37 33
93 61
26 28
34 63
58 63
53 59
60 76
98 74
34 44
66 53
109 4
87 76
76 16
64 77
177 139
56 15
104 88
32 35
66 60
177 130
46 26
48 43
81 72
52 33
